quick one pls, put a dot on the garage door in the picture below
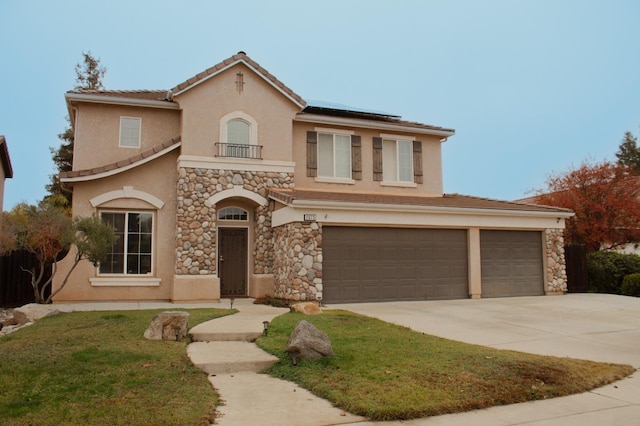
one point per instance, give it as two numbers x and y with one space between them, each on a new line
382 264
511 263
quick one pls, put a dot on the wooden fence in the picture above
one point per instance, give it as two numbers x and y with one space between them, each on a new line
15 284
576 259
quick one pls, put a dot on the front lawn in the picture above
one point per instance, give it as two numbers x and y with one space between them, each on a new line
97 368
387 372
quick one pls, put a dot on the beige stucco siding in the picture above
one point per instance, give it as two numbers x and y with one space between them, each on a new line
97 132
2 179
206 104
157 179
431 164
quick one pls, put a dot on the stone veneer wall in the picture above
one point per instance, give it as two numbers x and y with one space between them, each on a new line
196 217
298 266
556 265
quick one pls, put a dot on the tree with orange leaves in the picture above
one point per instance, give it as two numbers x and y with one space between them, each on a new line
47 231
605 199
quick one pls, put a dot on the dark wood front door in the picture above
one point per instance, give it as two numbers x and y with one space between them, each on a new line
232 261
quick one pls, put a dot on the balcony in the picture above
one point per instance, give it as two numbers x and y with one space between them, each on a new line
236 150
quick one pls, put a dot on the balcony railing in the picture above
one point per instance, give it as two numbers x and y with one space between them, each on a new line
238 150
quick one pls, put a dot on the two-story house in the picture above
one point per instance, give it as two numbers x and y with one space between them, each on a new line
231 184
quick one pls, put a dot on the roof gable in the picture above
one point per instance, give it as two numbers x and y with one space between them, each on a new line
238 58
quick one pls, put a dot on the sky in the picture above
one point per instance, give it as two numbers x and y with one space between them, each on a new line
531 87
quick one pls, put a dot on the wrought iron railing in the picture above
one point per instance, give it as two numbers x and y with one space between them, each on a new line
238 150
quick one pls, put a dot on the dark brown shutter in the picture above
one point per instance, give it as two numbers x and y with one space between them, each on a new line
312 154
377 159
417 161
356 157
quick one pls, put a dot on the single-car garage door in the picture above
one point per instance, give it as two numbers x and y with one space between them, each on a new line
382 264
511 263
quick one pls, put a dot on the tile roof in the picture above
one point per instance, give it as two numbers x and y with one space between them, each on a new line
4 158
149 95
131 161
446 200
239 57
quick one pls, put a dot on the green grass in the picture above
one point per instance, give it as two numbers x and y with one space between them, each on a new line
386 372
97 368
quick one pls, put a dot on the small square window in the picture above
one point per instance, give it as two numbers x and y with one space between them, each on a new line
130 132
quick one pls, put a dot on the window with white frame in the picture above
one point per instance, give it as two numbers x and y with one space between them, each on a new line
233 213
132 253
130 132
334 155
397 160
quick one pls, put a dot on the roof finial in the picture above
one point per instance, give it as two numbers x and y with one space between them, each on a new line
242 53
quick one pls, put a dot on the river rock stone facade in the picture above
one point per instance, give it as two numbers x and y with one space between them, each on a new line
556 264
196 216
298 264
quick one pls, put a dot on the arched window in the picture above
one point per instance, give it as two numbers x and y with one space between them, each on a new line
239 136
233 213
238 132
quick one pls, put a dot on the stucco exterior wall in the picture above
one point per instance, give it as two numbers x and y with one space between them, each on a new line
431 162
2 179
205 105
157 178
97 132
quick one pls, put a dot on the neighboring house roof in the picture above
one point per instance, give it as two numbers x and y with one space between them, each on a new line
4 158
240 57
122 165
454 201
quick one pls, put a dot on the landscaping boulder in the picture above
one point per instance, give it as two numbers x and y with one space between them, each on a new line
308 343
307 308
168 326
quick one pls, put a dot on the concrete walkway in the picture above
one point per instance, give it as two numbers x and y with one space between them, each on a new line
223 348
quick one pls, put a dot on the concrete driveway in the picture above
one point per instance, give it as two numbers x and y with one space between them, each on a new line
597 327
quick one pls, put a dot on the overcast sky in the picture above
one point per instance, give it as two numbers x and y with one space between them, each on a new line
532 87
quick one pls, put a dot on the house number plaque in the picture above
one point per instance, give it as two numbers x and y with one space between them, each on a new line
309 217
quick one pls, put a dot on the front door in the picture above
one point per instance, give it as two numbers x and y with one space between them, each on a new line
232 261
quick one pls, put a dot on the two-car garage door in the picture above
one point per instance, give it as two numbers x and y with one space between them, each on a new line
365 264
382 264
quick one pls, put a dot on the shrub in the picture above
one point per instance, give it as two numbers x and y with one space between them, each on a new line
607 269
631 285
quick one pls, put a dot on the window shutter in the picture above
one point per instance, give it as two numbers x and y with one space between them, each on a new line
417 161
312 154
356 157
377 159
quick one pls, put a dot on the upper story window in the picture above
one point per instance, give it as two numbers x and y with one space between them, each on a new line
334 155
238 132
130 132
397 160
233 213
132 252
238 136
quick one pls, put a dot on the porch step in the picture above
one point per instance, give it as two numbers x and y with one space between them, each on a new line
229 357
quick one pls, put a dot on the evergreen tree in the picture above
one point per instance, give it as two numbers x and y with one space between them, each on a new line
628 152
89 76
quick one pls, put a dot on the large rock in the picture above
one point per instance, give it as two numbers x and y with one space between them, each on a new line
307 308
308 343
168 326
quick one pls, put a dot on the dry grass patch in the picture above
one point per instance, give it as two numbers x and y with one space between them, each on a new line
387 372
97 368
